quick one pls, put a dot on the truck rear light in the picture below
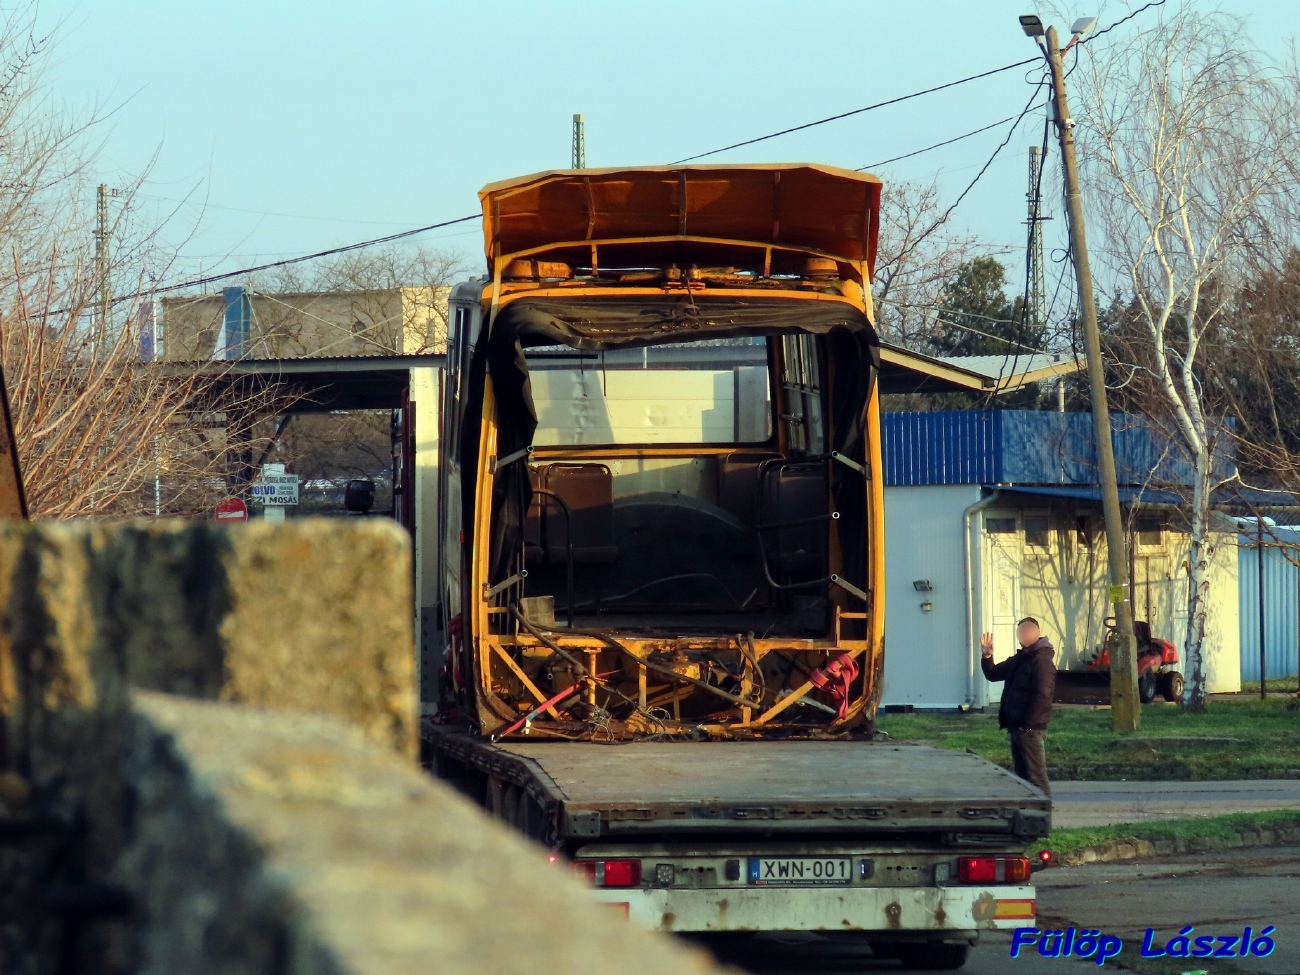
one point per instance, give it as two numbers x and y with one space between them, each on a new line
622 873
610 873
992 870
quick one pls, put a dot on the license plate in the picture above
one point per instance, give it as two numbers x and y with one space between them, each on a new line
792 871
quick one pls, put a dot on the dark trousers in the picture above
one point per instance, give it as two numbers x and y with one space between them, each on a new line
1029 757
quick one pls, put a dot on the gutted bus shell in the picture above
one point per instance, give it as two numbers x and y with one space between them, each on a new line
662 431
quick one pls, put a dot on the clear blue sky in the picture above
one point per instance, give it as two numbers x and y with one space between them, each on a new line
306 125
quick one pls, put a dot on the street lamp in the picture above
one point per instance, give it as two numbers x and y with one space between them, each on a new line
1031 25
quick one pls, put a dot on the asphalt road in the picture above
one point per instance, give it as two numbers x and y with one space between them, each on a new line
1218 896
1101 803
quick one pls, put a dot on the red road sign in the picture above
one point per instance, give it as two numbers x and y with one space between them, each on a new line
232 509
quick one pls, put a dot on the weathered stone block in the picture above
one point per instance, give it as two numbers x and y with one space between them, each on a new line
266 843
312 617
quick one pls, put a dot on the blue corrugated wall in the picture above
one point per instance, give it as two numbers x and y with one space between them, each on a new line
1281 607
946 447
1022 447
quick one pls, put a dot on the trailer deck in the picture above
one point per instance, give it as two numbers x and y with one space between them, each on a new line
768 786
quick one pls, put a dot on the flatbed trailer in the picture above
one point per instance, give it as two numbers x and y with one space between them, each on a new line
662 568
851 836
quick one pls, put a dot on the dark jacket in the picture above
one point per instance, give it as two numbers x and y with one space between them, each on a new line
1031 681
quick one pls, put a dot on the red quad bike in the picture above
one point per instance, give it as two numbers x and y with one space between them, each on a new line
1155 660
1155 666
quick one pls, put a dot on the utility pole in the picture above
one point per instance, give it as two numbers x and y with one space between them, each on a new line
579 143
1126 710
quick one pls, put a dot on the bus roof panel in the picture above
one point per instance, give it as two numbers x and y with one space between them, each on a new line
799 206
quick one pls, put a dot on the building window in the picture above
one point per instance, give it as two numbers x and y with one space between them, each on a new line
1000 526
1083 531
1038 531
1150 532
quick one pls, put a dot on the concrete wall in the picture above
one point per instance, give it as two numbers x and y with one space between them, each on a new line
207 736
426 398
341 323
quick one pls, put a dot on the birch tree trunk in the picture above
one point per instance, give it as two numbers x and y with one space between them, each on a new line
1187 141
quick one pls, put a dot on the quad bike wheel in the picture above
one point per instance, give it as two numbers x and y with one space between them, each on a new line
1171 687
1147 686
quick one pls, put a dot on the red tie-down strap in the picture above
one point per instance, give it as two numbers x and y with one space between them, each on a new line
835 679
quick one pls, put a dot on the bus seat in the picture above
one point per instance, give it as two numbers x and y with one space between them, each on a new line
738 482
792 492
533 548
588 489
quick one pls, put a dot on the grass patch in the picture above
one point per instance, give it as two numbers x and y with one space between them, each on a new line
1071 842
1242 738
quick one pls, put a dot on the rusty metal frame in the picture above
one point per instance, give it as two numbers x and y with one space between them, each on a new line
499 261
854 290
496 713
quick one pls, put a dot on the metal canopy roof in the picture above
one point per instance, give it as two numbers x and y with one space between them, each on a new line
377 382
342 383
1235 498
904 371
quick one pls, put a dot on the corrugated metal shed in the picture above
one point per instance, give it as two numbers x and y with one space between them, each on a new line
1022 447
1281 604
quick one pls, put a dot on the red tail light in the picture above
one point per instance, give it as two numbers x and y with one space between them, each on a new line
993 870
622 873
610 873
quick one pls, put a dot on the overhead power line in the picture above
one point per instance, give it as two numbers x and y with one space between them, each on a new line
858 111
205 205
1111 27
939 145
212 278
947 214
209 279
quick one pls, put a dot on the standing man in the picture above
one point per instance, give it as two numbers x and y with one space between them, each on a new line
1026 707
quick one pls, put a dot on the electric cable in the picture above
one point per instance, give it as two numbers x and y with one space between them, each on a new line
1029 107
1111 27
937 145
212 278
209 279
856 111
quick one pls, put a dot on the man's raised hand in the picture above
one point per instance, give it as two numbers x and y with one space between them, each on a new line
986 644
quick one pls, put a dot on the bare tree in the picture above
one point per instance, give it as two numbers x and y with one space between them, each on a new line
99 432
917 256
1186 136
